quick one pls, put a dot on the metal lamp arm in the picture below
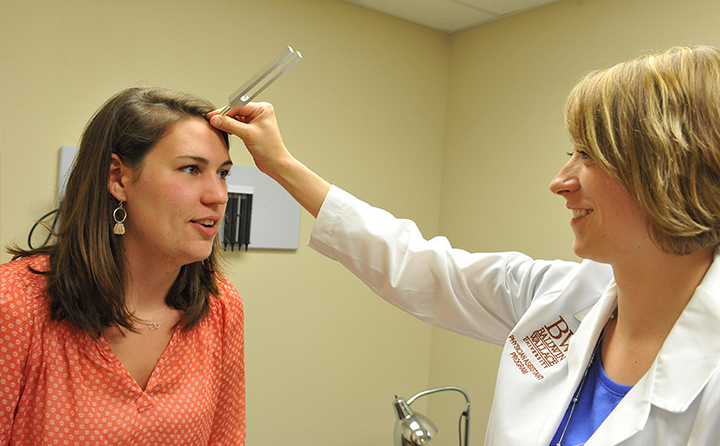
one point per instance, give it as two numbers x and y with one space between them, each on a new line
442 389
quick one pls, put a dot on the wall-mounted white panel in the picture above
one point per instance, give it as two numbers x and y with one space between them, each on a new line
67 156
275 214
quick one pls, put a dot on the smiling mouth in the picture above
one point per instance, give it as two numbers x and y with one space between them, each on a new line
206 223
577 213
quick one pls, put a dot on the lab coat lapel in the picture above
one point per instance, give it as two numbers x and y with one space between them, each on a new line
578 356
628 418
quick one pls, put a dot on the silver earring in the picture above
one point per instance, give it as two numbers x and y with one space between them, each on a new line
119 228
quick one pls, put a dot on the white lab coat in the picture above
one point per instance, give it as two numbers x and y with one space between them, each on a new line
548 315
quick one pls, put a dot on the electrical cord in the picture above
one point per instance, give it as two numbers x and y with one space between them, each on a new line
51 228
462 415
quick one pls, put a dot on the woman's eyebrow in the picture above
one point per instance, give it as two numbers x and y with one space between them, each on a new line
203 160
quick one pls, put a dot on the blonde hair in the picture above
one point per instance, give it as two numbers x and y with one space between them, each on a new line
653 124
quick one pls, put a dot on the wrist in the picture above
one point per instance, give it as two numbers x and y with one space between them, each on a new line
279 169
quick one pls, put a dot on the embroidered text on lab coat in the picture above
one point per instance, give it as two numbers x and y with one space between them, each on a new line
548 345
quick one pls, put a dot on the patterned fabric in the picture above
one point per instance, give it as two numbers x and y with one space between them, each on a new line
59 386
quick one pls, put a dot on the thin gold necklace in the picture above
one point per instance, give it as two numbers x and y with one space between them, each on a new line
576 398
154 325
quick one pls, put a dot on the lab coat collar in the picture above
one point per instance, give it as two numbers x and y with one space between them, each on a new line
683 367
691 352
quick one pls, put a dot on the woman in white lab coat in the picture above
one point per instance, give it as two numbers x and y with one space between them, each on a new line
622 348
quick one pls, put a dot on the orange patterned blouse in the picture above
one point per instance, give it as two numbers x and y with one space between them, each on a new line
59 386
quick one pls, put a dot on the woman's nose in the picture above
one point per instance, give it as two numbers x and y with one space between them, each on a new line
216 192
566 180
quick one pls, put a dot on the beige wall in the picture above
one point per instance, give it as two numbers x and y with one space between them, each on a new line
461 133
324 356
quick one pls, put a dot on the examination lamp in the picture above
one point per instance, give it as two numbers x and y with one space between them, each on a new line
415 429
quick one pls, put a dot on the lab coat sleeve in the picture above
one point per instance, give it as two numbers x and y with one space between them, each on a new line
477 295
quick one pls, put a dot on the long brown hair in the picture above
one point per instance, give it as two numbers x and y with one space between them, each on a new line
86 279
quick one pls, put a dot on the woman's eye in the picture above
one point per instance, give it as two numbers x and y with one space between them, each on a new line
582 154
190 169
223 174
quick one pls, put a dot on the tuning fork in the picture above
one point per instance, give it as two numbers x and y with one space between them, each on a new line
285 60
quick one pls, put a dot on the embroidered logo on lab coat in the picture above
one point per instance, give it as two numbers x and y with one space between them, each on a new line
547 344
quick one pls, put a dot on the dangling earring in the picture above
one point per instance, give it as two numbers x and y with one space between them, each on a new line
119 228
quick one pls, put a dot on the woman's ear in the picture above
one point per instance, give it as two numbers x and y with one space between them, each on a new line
117 178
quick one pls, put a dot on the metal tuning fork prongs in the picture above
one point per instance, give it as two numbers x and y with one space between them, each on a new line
262 79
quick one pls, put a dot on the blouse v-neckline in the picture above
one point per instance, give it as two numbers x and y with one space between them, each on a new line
108 354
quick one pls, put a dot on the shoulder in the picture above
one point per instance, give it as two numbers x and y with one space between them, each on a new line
559 275
22 285
228 294
24 307
21 270
227 306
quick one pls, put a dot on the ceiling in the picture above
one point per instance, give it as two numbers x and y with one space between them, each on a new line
450 16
